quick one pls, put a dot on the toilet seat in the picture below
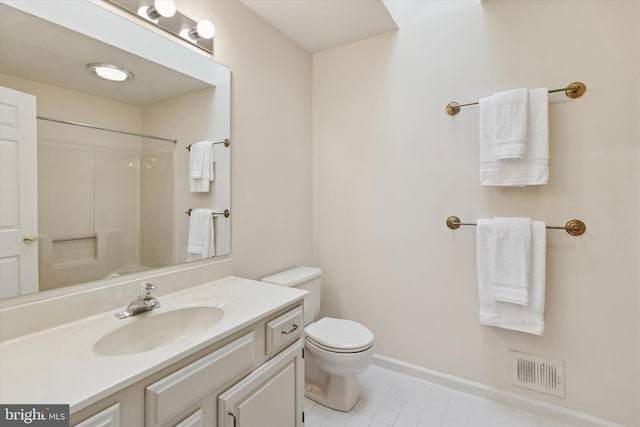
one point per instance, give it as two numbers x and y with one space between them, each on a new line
339 335
337 350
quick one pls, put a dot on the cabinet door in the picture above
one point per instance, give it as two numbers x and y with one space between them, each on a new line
194 420
110 417
270 396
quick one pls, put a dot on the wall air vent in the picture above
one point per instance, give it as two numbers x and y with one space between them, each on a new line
537 373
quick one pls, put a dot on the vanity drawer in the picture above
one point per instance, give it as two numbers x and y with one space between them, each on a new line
284 329
176 392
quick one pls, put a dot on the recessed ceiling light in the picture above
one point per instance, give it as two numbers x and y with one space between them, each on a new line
110 72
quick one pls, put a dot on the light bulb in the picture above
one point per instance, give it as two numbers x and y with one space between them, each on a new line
143 13
166 8
160 9
205 29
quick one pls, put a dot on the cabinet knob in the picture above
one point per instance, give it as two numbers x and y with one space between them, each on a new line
30 238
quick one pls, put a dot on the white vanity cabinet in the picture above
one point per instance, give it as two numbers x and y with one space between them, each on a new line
255 375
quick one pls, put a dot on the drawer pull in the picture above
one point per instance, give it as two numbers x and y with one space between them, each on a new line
283 330
235 421
293 328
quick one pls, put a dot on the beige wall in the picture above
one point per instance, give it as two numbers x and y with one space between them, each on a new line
390 166
186 118
271 166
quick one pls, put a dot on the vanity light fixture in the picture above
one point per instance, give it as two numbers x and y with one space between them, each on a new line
204 30
164 15
110 72
160 8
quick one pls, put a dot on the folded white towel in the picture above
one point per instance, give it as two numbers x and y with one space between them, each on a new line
533 168
197 153
212 176
201 235
512 245
510 120
526 318
201 160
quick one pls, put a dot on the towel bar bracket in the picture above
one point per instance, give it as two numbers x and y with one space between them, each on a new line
575 90
575 227
453 222
453 108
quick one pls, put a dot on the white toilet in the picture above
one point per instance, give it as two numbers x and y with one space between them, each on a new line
337 350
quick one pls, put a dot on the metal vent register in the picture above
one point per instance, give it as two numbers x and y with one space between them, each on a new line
537 373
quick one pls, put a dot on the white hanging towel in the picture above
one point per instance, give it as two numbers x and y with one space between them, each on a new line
533 167
510 118
512 260
525 318
201 235
201 171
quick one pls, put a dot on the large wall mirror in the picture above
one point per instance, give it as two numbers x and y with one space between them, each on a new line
115 200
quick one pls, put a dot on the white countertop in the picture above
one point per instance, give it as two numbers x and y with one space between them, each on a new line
58 365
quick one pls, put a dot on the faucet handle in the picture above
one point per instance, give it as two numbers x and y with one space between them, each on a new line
147 290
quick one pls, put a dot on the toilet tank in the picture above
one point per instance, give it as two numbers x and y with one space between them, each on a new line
305 278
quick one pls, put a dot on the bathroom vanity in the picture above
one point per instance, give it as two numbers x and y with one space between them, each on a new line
224 353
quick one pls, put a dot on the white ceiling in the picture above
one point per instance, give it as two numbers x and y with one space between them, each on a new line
318 25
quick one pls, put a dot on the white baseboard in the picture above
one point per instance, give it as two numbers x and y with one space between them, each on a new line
543 409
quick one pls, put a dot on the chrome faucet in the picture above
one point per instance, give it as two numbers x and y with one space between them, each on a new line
145 302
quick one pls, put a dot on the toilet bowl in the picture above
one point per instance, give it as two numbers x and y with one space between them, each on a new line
337 349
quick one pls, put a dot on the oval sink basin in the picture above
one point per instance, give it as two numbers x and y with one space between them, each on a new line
151 330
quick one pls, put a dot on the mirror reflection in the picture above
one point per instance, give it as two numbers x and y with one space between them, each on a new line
114 200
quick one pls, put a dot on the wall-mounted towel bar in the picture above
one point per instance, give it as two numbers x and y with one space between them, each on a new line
575 227
574 90
226 143
226 213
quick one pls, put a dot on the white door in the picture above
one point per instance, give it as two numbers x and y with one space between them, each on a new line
18 194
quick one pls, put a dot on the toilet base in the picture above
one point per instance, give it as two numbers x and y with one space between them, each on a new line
333 391
345 403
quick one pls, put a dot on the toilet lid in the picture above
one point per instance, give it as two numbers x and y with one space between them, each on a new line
339 334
